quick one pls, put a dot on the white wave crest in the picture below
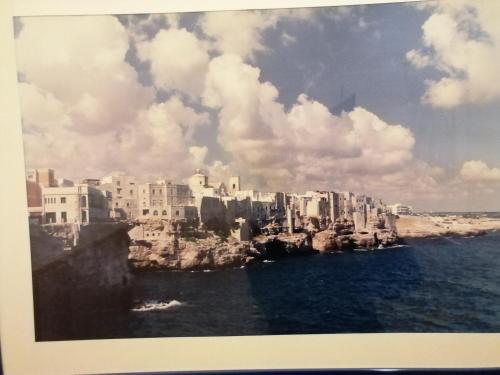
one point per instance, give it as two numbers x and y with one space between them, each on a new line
154 305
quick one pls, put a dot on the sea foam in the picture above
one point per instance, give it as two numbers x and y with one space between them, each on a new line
155 305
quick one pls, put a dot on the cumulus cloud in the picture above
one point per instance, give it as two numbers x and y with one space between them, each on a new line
84 112
462 40
80 61
241 32
178 60
479 171
307 146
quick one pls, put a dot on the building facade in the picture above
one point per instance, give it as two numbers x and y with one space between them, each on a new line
77 204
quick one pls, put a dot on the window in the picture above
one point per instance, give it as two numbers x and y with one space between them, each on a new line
63 200
177 213
84 216
160 191
155 213
118 190
128 204
234 186
164 213
84 201
131 192
116 204
117 183
64 217
153 191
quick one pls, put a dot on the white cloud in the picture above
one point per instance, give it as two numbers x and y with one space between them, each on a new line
307 146
287 39
479 171
80 62
418 59
240 32
462 40
142 27
85 113
199 155
178 60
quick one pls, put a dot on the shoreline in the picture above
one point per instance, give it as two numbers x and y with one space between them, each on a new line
427 226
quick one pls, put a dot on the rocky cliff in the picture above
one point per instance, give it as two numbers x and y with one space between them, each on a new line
330 241
203 253
159 244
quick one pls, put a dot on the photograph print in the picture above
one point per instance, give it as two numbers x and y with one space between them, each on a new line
263 172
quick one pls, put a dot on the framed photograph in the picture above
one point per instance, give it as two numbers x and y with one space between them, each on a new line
250 186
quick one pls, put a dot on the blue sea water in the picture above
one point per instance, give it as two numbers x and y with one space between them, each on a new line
427 285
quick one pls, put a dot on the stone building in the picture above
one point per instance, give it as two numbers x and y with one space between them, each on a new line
334 206
80 203
346 205
35 202
124 201
234 184
45 177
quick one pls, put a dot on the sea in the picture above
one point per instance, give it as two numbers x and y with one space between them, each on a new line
445 284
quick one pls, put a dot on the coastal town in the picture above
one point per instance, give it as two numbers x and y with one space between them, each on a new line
211 224
201 202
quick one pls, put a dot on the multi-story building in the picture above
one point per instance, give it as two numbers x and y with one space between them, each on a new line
152 199
346 205
401 209
43 176
124 201
76 204
35 202
166 200
334 206
234 184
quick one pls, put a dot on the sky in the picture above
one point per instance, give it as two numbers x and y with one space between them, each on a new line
252 93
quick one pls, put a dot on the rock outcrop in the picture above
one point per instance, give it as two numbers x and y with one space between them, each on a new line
330 241
284 244
199 254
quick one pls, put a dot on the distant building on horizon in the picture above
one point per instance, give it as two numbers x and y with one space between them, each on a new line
400 209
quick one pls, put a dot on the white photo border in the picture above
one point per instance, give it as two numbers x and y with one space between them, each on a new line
22 355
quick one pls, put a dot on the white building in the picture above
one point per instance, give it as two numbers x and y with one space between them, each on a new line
400 209
166 200
80 203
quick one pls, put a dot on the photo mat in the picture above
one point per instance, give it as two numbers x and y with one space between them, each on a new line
287 110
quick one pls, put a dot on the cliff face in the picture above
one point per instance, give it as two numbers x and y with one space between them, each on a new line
73 281
284 244
159 245
207 253
329 240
